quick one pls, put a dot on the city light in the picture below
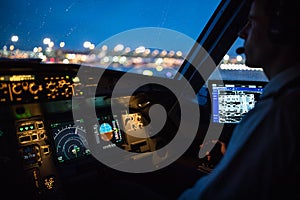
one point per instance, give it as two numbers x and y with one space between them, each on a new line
226 57
51 44
46 40
87 44
147 61
14 38
239 58
92 46
62 44
119 47
140 49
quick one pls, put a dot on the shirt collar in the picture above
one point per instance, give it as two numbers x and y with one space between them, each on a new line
280 80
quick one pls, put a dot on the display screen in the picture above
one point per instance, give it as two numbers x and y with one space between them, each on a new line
70 138
69 141
30 154
232 100
107 132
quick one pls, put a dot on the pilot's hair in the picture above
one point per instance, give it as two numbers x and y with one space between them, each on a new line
285 19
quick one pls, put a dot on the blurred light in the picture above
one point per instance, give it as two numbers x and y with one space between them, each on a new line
122 60
35 49
105 59
66 61
159 61
115 59
70 56
101 54
62 44
87 44
11 47
140 49
226 57
119 47
92 46
14 38
159 68
147 52
41 55
147 72
51 44
137 60
155 52
169 74
127 49
171 53
104 48
179 53
76 79
83 58
46 40
239 58
238 67
163 53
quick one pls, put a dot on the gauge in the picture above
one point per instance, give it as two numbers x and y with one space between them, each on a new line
69 141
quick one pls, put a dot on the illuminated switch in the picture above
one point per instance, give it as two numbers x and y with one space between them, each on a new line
49 182
45 149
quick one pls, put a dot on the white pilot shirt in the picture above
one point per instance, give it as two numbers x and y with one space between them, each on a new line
261 160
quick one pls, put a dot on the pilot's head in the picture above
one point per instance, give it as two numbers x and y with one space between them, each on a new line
272 35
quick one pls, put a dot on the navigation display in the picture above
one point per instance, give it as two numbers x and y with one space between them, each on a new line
69 141
232 100
70 138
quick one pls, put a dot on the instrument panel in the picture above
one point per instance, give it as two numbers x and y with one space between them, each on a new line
24 88
50 146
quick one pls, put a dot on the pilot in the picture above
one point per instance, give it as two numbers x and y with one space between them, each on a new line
262 157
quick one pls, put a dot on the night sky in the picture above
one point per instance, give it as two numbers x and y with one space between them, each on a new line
76 21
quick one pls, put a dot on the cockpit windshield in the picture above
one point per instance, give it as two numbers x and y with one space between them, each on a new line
150 38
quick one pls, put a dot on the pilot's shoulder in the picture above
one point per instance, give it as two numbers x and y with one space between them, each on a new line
289 100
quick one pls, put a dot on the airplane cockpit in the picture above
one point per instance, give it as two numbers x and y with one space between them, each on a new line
128 107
